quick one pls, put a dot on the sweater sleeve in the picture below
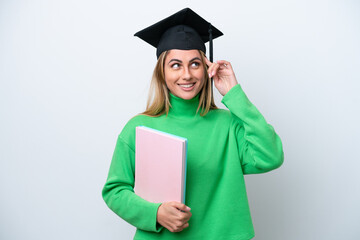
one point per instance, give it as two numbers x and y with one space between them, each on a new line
260 148
119 195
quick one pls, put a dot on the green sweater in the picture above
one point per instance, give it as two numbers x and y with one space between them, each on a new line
222 147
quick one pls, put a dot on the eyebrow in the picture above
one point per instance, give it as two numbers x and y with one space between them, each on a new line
177 60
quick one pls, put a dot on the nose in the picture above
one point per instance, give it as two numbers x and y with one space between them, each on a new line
186 74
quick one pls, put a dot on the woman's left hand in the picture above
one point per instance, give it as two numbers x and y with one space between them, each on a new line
222 74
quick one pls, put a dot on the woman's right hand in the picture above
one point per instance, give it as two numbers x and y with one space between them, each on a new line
174 216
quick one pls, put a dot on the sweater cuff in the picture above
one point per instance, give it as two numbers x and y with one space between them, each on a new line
156 227
234 92
231 92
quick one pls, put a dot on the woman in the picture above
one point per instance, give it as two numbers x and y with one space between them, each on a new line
223 145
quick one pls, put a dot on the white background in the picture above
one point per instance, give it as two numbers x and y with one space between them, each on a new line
72 74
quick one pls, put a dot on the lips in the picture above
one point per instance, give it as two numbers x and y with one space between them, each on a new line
187 85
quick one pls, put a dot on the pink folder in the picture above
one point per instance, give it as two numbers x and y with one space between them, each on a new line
160 165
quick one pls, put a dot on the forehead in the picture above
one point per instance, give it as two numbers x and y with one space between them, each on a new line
183 55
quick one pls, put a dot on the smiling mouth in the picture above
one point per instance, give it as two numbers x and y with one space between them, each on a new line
187 85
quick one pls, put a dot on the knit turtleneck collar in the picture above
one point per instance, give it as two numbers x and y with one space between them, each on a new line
182 107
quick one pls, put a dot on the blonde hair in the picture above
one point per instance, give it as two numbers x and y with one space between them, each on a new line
159 102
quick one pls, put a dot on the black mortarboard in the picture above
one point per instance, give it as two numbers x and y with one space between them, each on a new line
184 30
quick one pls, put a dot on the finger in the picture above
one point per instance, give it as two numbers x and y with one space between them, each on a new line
223 63
187 216
208 62
181 206
178 226
185 225
214 69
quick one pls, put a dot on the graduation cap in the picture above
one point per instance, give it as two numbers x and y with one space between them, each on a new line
184 30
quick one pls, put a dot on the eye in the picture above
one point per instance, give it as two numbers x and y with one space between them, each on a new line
195 64
175 65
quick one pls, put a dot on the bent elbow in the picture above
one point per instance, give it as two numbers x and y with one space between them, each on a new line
276 156
112 191
270 163
278 161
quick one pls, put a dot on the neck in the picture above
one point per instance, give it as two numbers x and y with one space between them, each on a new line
183 107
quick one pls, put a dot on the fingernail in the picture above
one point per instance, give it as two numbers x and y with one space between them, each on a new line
188 208
213 73
209 75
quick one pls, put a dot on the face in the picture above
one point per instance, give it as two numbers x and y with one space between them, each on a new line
184 73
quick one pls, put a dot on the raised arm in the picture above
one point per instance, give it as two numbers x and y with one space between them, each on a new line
260 148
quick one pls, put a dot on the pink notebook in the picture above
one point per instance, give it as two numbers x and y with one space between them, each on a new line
160 165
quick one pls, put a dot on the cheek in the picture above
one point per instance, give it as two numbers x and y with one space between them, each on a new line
166 76
171 76
201 76
199 73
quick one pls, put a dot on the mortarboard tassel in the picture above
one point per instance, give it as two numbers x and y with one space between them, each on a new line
210 44
211 51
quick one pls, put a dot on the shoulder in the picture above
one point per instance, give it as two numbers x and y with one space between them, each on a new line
135 121
224 118
128 132
219 117
219 114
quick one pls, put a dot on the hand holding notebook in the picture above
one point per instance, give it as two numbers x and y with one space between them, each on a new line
174 216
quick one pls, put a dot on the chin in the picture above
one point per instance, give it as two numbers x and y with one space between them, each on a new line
187 96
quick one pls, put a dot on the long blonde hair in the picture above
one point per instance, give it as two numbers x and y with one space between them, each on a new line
159 102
